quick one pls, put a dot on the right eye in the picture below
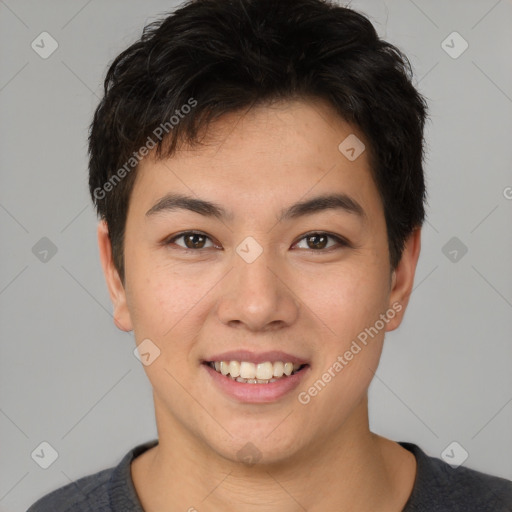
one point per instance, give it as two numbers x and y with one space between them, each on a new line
191 241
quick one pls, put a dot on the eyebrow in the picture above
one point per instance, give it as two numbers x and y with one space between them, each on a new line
173 202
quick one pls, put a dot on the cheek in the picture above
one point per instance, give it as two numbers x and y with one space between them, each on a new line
348 353
166 301
350 301
167 309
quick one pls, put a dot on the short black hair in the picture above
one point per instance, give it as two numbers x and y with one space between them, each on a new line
212 57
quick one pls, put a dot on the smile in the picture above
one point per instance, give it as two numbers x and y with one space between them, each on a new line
251 373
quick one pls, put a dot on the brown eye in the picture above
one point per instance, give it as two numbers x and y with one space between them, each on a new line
320 241
194 241
191 240
316 241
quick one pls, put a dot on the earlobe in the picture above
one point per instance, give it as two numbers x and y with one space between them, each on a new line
402 279
116 289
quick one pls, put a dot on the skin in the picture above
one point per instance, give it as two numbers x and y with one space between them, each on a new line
294 298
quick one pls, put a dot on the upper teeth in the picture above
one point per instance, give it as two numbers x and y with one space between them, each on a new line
260 371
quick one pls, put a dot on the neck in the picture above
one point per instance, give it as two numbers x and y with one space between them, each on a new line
356 471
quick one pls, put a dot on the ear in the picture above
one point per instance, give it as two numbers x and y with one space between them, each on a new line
115 286
402 279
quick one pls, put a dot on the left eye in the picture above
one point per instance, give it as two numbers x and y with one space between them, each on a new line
319 241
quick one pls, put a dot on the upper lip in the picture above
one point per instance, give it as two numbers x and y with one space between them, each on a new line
256 357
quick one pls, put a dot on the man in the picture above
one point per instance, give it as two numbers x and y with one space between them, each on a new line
257 169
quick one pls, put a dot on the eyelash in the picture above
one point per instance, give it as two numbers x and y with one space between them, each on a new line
340 241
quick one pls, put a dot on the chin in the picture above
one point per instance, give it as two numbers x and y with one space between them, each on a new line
257 450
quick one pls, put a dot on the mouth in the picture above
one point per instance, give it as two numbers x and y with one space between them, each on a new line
247 372
256 377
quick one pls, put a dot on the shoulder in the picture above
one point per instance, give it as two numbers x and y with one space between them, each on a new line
440 487
109 490
87 493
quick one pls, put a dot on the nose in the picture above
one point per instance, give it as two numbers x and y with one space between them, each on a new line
257 296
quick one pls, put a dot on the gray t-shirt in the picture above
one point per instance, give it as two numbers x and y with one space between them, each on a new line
437 488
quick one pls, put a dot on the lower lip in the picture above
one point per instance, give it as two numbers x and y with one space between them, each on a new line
256 393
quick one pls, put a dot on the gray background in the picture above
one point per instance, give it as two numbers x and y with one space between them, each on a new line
69 377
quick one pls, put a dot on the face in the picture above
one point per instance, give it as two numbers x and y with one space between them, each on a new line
263 247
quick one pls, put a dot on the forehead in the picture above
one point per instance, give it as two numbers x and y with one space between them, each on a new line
266 157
